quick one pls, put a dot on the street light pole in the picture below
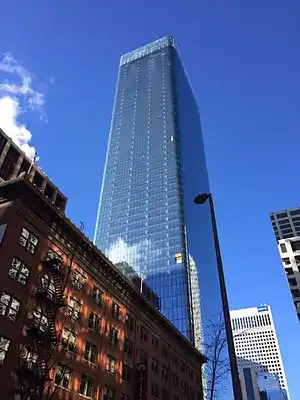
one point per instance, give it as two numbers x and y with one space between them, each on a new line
201 199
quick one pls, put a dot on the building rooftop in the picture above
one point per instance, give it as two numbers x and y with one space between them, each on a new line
14 162
147 49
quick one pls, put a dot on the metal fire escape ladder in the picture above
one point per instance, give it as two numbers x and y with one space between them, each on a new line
42 338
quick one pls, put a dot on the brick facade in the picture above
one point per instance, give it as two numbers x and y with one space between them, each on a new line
114 344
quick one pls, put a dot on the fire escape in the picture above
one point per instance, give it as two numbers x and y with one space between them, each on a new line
36 355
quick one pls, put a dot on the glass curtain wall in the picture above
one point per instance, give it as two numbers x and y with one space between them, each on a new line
154 168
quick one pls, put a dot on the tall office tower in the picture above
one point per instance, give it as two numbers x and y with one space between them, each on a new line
257 347
286 223
155 166
286 226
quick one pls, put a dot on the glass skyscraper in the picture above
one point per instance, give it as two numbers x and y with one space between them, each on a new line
155 166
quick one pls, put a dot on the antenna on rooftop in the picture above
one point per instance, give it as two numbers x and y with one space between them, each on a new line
33 162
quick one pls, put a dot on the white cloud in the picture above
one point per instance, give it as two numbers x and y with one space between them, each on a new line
135 255
138 255
18 96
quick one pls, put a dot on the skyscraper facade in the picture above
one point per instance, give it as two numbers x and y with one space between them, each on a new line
257 348
155 166
286 223
286 226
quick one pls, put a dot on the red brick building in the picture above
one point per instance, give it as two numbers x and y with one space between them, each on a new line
71 323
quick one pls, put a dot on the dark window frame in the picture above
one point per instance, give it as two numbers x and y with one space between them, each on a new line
64 379
90 353
7 307
79 280
126 372
3 349
28 240
74 311
97 296
111 364
129 321
116 310
15 272
66 343
113 336
109 393
94 322
86 386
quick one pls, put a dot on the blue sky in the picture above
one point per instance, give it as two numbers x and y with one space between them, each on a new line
243 59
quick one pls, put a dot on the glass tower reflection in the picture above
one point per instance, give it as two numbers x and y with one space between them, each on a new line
155 165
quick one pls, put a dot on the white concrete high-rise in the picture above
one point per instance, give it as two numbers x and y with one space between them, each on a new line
256 345
286 226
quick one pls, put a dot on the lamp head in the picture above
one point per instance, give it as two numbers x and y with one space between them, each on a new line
201 198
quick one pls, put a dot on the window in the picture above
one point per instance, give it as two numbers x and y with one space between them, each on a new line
9 306
40 320
18 271
4 346
111 364
297 259
54 255
295 292
164 351
286 261
143 356
97 295
164 372
287 226
129 321
109 393
292 281
154 366
90 353
69 340
74 309
113 336
289 271
283 222
63 376
295 212
282 215
86 386
154 342
128 346
182 364
29 357
143 333
94 322
175 380
283 248
154 390
295 245
28 240
47 286
126 372
286 231
78 280
116 310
